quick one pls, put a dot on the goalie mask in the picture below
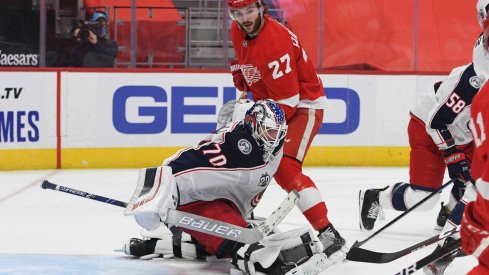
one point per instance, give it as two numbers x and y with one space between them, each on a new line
266 120
482 7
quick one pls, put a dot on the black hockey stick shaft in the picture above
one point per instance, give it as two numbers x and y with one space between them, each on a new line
49 185
358 254
437 254
357 243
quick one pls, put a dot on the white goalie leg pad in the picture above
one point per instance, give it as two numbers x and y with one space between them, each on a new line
411 197
315 265
250 254
257 221
159 233
166 246
155 193
295 238
185 247
290 248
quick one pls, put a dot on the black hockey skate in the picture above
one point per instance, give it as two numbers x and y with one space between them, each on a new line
137 247
438 267
333 243
370 208
442 217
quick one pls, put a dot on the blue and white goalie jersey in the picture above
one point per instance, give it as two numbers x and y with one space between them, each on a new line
445 108
227 166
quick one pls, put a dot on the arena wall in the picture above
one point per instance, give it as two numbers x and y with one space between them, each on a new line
110 119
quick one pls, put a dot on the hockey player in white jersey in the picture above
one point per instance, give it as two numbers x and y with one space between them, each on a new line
224 179
440 139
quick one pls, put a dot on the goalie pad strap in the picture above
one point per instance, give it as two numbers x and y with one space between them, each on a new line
297 255
199 250
177 246
247 254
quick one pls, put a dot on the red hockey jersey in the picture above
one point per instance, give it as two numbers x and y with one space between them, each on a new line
479 125
276 66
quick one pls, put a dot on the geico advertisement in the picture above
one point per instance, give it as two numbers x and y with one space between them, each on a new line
177 109
27 110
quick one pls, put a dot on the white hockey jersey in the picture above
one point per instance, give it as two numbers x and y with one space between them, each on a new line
445 108
228 166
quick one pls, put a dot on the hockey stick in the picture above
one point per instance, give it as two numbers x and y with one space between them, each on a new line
358 254
200 223
437 254
357 243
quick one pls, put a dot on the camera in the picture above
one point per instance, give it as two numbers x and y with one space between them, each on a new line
85 28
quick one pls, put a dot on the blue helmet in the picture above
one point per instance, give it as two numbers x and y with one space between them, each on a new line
266 120
99 16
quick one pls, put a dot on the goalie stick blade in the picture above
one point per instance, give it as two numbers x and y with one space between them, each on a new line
315 265
445 250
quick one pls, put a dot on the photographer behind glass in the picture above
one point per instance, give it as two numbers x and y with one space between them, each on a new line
92 48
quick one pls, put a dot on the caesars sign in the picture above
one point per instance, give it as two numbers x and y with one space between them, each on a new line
18 59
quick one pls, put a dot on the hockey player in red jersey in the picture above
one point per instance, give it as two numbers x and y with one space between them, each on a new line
475 222
271 63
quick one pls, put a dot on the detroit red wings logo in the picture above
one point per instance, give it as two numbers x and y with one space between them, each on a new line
251 74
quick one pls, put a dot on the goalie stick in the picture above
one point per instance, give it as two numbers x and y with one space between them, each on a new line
200 223
358 254
437 254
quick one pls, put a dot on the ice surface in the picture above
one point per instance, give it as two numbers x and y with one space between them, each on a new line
49 232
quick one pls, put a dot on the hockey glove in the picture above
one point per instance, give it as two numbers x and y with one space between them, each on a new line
475 239
458 167
238 78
